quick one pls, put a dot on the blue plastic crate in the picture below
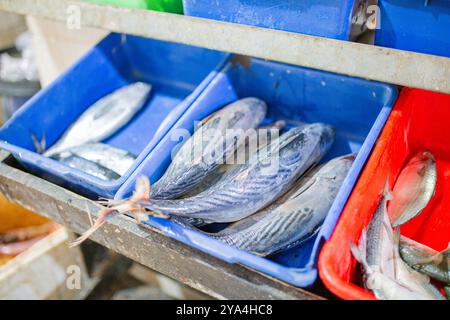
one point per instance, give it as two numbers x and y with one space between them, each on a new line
415 25
324 18
178 75
357 108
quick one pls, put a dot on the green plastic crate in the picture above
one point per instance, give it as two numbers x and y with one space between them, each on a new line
173 6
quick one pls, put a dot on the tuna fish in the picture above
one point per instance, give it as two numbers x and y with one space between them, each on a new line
385 273
107 156
293 218
250 187
267 175
413 189
89 167
245 151
209 147
103 118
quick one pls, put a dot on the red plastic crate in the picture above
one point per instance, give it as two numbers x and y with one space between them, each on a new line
419 121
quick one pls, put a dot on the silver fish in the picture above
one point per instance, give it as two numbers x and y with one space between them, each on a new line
115 159
89 167
293 218
385 273
250 187
413 189
103 118
426 260
245 151
197 158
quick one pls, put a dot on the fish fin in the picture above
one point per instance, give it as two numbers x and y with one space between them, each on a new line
396 253
242 176
436 259
91 221
113 207
447 291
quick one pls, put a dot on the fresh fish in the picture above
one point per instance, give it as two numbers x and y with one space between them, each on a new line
293 218
250 187
447 292
413 189
103 118
426 260
107 156
90 168
27 233
245 151
197 157
385 273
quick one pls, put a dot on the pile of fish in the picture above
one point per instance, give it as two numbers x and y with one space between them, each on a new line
80 146
273 199
395 267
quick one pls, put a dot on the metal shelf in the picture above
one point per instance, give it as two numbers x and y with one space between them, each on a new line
343 57
144 245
